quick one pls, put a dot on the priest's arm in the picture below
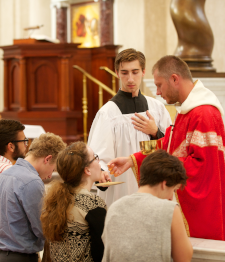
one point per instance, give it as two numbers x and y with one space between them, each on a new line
119 165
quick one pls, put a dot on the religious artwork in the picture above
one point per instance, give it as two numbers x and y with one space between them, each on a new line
85 24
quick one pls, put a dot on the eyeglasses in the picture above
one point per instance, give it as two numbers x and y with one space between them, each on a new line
25 141
96 157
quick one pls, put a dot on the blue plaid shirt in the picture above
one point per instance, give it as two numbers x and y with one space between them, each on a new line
21 193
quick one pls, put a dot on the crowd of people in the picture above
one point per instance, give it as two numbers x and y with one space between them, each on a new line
135 221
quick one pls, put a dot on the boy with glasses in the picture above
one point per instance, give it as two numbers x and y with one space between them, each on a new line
13 143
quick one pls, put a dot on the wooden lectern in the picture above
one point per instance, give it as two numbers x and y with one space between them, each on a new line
42 88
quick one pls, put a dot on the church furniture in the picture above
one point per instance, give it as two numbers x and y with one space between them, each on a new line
42 88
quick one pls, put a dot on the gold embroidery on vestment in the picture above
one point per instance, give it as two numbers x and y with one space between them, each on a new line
199 139
184 218
135 168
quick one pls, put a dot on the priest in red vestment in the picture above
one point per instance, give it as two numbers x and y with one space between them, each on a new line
197 138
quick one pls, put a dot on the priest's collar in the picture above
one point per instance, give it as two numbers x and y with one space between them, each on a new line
127 94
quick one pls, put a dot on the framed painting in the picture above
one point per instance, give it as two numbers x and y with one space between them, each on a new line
85 24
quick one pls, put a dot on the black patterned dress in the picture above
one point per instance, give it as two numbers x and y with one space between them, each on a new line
82 238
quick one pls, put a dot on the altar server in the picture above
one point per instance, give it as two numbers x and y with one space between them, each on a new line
113 133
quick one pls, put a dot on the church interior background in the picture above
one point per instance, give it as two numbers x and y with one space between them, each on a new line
145 25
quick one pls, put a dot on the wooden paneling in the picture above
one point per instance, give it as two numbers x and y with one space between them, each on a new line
41 86
14 85
43 82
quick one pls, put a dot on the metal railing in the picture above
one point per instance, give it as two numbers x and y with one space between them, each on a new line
84 99
114 76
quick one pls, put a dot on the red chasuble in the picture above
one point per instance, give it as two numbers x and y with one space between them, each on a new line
198 141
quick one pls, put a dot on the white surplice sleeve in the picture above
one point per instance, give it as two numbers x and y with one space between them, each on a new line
101 139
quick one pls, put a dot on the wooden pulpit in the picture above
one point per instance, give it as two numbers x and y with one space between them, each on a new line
41 87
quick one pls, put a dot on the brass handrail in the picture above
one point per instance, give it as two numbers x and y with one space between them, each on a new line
114 75
84 99
108 70
95 80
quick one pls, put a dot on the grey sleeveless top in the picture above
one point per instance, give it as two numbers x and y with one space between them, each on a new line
138 229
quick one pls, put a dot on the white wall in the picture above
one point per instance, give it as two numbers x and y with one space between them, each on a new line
6 35
16 15
215 10
129 24
145 25
40 14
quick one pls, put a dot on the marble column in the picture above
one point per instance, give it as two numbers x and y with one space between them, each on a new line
61 20
61 24
106 23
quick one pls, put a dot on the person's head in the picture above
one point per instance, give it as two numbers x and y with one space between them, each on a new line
130 68
161 168
13 143
168 73
77 163
44 151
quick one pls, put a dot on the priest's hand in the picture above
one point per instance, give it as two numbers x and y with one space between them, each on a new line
147 126
105 177
119 165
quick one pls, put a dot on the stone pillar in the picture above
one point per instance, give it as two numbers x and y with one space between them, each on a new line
61 20
195 37
106 23
61 24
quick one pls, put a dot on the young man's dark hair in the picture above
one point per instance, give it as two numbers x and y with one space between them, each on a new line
161 166
8 133
161 228
129 55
